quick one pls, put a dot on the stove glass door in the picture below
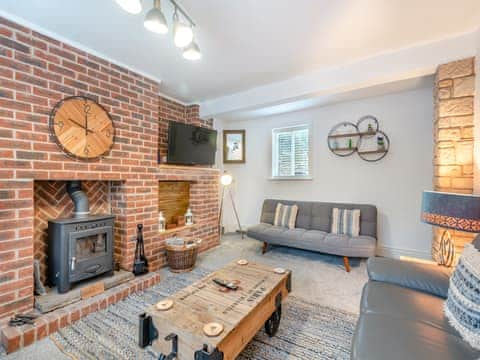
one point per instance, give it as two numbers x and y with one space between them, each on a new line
89 246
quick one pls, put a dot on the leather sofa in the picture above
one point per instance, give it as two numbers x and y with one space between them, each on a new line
401 314
312 229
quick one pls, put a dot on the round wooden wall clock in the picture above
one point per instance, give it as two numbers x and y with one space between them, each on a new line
82 128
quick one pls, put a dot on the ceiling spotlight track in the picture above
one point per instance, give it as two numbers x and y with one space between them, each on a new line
182 33
156 22
183 12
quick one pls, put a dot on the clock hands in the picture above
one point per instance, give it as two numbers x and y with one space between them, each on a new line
87 130
86 109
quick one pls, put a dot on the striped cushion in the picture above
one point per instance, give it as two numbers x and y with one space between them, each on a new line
285 215
346 222
462 307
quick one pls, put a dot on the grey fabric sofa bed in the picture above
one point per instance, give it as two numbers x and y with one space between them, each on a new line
402 317
312 229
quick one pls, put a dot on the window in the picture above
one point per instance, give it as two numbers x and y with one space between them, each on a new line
291 152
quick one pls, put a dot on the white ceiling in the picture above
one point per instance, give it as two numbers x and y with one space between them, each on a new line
247 43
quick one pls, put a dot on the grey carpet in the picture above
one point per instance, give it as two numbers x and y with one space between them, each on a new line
320 278
317 277
308 330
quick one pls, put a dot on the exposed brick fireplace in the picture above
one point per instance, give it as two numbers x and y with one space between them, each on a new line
35 73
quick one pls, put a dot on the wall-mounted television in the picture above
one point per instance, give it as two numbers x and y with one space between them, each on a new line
191 145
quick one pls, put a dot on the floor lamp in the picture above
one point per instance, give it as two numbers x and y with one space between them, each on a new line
226 180
458 212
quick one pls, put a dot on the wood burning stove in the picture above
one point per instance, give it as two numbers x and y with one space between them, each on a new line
80 247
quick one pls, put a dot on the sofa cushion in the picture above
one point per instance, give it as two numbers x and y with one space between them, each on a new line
276 234
356 246
346 222
257 231
400 302
283 236
285 215
427 278
380 337
322 217
313 240
463 302
303 215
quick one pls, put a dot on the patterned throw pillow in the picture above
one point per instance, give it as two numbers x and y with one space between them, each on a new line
463 302
346 222
285 215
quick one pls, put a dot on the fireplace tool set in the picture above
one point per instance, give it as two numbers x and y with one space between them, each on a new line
140 264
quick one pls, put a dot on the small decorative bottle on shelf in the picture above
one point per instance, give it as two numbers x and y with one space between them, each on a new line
161 222
380 143
350 143
188 217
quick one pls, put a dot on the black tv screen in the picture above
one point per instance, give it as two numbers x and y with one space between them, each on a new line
191 145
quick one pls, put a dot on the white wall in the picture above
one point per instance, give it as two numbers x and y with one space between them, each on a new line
394 184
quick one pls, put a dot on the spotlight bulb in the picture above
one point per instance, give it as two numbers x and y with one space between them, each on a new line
192 52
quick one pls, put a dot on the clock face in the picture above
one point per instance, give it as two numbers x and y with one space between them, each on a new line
82 128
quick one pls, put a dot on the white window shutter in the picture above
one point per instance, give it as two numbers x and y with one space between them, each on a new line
291 152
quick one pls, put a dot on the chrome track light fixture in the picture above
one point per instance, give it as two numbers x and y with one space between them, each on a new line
182 33
156 22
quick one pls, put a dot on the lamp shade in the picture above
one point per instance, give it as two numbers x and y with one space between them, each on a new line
192 51
155 21
453 211
226 179
182 34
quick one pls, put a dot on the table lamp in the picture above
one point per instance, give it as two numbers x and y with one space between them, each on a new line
226 180
450 211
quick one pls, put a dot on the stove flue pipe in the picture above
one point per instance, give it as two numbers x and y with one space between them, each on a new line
79 198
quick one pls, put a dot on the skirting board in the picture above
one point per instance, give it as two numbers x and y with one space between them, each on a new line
395 253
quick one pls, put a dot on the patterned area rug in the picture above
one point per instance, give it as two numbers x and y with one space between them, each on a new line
307 330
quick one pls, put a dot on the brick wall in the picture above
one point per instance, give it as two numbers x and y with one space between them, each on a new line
35 73
453 135
170 110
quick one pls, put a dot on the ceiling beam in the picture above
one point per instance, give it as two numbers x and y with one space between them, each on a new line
408 63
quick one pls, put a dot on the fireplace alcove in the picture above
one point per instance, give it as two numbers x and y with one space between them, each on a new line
51 201
173 200
54 214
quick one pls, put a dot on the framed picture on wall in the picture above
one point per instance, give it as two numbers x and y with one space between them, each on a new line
233 146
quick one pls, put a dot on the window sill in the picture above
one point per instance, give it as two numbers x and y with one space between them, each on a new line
290 178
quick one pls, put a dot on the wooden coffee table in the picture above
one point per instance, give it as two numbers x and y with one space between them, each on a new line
180 331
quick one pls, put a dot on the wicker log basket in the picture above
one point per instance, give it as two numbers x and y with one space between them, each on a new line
181 254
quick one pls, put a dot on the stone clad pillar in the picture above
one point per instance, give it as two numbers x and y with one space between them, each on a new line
454 93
